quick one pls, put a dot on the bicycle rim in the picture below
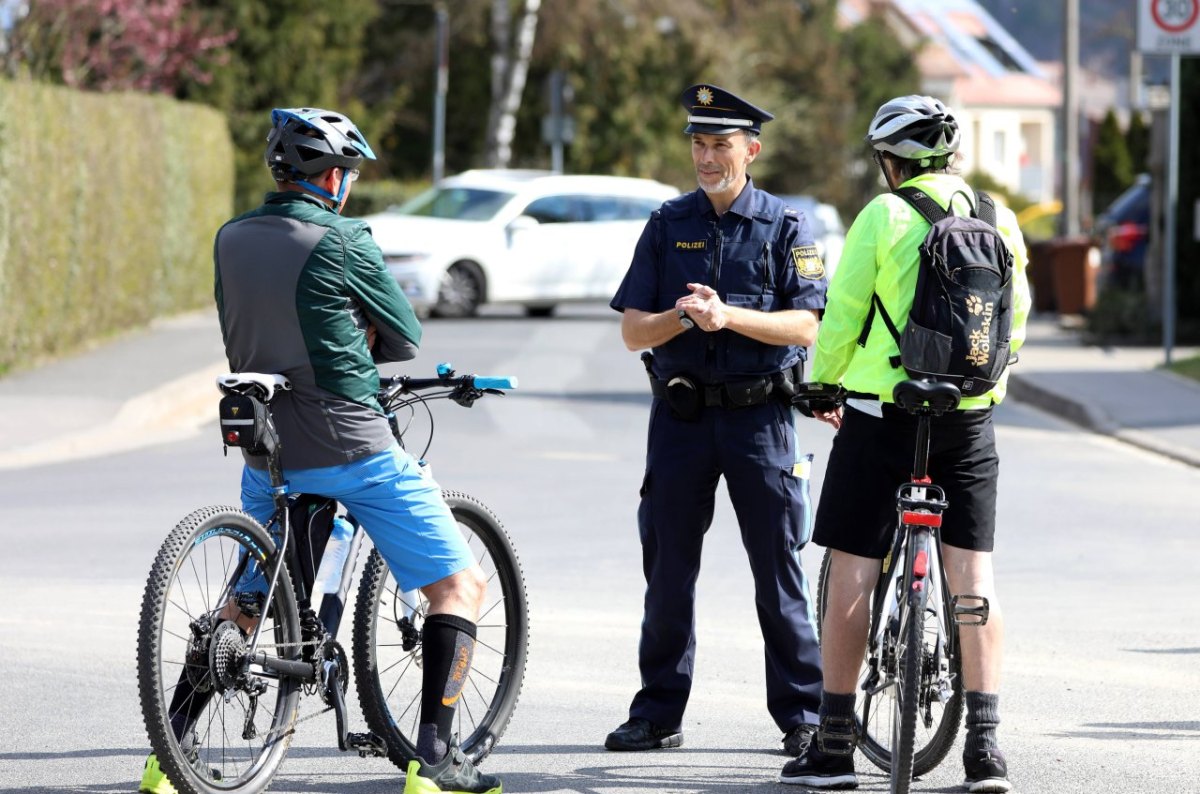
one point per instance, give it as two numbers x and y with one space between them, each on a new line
388 661
189 660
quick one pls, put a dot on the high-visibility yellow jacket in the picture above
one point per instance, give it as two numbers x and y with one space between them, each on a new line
881 256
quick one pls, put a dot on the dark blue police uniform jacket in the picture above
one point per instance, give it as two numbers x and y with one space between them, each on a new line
758 255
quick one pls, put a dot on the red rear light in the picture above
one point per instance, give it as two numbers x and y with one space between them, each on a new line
1123 237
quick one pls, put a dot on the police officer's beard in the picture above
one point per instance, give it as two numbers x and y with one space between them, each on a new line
720 186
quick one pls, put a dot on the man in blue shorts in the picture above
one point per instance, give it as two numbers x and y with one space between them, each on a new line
303 292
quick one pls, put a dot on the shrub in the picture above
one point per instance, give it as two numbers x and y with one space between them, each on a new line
108 207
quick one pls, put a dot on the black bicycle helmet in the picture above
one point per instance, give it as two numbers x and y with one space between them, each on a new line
307 141
915 128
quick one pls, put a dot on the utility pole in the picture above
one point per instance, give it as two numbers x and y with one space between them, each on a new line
1070 170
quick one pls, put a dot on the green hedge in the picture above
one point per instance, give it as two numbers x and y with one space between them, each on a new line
108 206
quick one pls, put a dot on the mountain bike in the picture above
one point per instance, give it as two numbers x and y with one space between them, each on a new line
221 698
911 707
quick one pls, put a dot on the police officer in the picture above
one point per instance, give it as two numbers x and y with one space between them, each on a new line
725 289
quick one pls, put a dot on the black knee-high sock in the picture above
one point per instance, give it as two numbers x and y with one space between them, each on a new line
449 643
187 705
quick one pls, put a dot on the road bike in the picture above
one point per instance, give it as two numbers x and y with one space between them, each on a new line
911 707
221 700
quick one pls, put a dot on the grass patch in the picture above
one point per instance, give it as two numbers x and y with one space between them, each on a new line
1188 367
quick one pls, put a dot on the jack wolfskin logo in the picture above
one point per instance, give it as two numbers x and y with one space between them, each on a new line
980 340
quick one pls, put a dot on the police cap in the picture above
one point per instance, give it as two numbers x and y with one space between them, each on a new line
715 111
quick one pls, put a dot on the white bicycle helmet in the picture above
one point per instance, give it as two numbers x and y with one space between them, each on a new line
915 128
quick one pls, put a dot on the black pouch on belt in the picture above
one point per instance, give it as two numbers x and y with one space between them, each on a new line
742 393
685 398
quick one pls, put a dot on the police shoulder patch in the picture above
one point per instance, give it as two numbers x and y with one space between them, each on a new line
808 262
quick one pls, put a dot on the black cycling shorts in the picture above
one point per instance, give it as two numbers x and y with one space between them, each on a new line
872 456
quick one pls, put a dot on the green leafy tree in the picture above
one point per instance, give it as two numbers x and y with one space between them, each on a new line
1137 140
878 68
1188 252
1112 167
299 53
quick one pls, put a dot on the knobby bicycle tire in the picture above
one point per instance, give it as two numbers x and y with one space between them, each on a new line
183 647
387 650
937 739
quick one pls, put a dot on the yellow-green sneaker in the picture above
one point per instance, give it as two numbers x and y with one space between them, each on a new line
154 780
454 774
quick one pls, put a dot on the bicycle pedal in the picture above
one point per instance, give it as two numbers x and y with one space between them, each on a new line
973 613
366 744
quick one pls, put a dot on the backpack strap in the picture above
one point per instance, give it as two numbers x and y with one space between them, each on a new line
929 209
877 305
985 208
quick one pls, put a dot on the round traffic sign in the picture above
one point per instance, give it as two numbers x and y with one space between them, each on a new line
1174 16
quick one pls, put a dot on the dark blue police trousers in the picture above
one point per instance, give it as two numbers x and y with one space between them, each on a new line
755 449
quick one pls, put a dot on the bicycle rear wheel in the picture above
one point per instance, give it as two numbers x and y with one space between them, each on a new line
907 691
214 727
940 705
387 645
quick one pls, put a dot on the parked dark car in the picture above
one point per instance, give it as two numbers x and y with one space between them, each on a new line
1123 234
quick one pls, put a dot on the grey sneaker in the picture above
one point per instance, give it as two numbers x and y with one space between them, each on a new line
797 740
454 774
986 771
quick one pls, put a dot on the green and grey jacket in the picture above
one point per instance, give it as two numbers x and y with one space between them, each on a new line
296 287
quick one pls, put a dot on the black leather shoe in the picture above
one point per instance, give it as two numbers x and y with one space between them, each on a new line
640 734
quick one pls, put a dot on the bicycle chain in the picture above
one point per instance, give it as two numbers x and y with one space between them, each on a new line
290 728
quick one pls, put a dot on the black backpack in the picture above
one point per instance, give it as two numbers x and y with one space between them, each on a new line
960 324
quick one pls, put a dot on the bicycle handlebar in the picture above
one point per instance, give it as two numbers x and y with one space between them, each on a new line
918 397
462 389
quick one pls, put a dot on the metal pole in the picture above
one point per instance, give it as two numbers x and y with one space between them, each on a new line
1172 210
1070 225
557 78
441 78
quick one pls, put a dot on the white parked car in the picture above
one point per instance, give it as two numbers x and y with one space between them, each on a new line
530 238
826 226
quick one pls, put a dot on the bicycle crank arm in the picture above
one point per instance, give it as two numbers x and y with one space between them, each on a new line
294 669
973 613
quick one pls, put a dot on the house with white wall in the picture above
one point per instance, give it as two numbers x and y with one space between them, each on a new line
1006 105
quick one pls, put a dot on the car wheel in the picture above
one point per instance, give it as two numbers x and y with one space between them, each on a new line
461 291
539 311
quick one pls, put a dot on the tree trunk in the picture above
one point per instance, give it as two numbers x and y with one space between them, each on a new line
510 66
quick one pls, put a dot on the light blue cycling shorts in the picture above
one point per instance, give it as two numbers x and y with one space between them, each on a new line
402 511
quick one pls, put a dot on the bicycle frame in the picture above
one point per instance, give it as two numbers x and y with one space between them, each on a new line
333 605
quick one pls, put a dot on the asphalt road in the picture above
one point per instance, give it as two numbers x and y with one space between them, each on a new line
1096 560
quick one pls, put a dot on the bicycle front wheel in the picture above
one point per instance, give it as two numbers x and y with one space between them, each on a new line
388 653
940 701
215 725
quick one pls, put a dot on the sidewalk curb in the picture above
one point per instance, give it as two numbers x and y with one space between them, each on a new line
173 411
1091 418
1025 390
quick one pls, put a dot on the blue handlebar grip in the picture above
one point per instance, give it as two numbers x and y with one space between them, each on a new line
487 382
444 369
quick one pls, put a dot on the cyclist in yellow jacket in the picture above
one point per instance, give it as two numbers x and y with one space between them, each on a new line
915 139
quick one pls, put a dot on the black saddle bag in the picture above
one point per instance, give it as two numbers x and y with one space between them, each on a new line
246 423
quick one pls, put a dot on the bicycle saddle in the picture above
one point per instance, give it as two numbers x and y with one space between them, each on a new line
242 382
911 395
